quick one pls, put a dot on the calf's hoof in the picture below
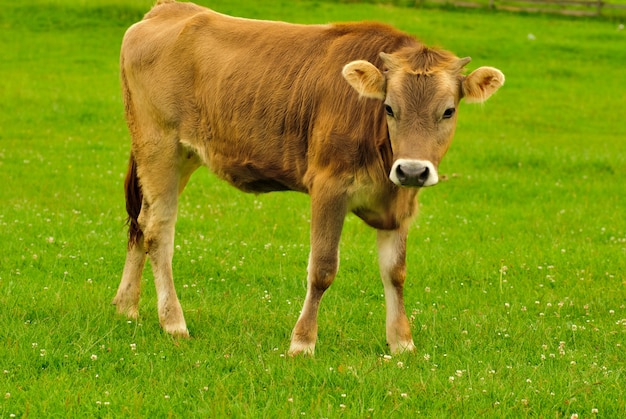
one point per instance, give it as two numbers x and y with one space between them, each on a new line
301 348
402 347
126 308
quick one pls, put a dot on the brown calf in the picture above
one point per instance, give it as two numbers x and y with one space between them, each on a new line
357 115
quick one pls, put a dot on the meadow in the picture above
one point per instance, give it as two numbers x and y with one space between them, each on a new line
516 264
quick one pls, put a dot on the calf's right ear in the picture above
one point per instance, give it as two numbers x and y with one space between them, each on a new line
365 78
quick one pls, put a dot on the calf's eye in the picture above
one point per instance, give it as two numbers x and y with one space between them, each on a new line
388 110
449 113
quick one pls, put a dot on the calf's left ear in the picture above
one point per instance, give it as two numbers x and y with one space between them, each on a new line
481 84
365 78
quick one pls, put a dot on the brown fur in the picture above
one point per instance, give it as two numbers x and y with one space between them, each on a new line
264 105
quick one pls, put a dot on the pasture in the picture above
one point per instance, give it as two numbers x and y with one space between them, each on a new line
516 280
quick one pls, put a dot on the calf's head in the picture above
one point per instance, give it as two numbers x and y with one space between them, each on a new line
421 90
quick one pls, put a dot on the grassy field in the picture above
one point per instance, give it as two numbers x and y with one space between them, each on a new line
611 9
517 264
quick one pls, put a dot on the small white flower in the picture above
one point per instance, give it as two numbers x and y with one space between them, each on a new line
94 357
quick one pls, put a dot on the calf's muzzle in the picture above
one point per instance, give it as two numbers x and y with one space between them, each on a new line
413 173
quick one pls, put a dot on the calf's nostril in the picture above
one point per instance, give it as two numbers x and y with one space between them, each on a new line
423 177
402 176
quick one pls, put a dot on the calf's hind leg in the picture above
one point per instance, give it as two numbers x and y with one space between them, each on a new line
127 297
163 177
129 290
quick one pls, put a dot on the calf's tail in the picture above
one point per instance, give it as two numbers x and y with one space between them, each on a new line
134 198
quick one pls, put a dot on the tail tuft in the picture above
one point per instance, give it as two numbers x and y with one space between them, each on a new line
134 198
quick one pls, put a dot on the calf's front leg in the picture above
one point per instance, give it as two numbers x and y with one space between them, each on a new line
392 263
327 215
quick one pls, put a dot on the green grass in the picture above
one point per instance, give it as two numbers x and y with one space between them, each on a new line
517 264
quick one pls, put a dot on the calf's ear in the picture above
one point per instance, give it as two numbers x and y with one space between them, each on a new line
481 84
365 78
